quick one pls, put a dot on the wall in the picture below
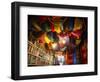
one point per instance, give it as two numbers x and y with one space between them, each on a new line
5 39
